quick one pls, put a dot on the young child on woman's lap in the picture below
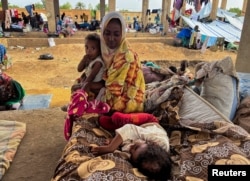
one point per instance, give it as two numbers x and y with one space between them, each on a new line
90 83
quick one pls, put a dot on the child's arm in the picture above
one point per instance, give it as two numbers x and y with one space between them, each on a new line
83 63
95 69
114 144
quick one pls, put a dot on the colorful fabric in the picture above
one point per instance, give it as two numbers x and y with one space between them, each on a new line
119 119
201 136
2 53
79 105
178 4
7 19
30 9
124 80
18 93
77 162
11 91
11 134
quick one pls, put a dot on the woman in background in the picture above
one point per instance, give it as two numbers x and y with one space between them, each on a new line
11 93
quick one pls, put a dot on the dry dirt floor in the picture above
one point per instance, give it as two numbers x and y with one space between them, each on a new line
43 143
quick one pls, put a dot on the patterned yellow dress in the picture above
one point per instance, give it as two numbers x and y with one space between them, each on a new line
125 85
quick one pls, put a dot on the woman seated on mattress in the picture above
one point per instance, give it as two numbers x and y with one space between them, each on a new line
124 80
147 145
11 93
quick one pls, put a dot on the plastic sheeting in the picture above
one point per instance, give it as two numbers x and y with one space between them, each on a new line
216 29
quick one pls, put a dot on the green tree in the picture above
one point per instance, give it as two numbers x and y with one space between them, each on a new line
44 3
80 5
235 10
67 5
98 7
93 13
39 5
124 10
12 6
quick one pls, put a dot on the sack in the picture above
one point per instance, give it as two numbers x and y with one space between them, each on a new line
46 56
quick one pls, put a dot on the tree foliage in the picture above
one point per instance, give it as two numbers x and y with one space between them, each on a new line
12 6
98 7
93 13
235 10
67 5
39 5
80 5
44 3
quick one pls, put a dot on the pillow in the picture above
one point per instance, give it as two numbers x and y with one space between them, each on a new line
195 108
220 85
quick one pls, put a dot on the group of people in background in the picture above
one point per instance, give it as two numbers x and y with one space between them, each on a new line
16 21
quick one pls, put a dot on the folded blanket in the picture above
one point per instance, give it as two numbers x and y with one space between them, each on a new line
11 134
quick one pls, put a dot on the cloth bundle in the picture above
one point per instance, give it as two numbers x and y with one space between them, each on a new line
78 106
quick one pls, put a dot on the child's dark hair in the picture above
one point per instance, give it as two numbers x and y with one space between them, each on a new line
94 37
155 154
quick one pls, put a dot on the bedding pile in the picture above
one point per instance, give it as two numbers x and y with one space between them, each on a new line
11 134
199 133
78 163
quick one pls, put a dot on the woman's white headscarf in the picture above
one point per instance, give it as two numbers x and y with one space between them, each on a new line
108 53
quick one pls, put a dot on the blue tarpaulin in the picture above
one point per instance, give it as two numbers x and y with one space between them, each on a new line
216 29
36 101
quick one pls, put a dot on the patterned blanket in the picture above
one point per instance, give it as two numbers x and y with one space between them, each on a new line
78 163
11 134
208 138
199 136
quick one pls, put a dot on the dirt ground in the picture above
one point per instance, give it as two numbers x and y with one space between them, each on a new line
43 143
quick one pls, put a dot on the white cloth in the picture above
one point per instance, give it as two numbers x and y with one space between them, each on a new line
148 132
99 75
